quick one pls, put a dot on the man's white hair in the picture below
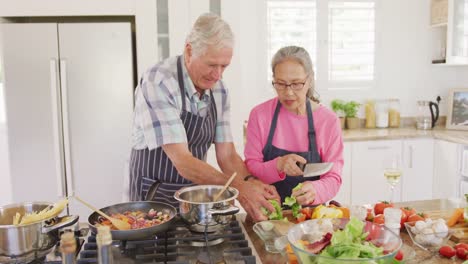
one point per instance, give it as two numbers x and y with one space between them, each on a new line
209 30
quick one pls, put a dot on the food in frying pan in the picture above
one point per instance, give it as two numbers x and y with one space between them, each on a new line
137 219
46 213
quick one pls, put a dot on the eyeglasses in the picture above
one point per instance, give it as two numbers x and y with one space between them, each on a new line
296 86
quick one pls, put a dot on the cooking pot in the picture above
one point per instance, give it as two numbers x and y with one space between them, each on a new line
200 212
135 234
19 244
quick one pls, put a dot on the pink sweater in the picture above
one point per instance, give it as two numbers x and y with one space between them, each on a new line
291 134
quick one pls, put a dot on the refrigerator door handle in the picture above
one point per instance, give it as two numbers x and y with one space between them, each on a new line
411 149
66 128
56 123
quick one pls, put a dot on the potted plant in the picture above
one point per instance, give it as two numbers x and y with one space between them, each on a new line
350 109
337 106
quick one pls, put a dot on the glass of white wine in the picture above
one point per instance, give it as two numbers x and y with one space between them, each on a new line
392 173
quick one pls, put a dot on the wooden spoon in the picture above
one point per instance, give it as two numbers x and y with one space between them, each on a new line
119 224
225 187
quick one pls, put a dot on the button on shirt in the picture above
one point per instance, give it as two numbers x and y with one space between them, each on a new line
158 105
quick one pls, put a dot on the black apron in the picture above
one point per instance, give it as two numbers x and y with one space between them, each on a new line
271 152
150 166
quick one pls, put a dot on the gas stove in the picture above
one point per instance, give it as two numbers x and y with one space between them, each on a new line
177 245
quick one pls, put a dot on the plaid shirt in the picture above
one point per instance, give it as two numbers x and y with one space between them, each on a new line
158 105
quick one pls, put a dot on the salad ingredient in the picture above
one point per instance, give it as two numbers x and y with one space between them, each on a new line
351 243
379 207
318 246
327 212
462 253
429 232
408 210
461 245
379 219
277 214
416 217
399 255
447 251
455 217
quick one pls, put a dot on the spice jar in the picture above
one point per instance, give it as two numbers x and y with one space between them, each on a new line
381 120
370 113
394 113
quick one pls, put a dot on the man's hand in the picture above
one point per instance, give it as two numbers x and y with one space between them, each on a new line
306 194
287 164
253 195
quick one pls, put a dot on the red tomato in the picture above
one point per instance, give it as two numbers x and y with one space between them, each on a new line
447 251
461 245
404 218
415 217
462 253
370 215
301 218
379 207
379 219
408 210
399 255
307 211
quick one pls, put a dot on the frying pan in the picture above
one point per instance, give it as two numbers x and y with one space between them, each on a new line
135 234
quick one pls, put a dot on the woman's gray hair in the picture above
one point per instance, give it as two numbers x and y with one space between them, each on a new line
301 56
209 30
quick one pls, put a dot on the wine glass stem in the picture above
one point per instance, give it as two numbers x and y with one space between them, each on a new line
392 192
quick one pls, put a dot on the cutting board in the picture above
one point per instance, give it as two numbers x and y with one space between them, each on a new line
461 230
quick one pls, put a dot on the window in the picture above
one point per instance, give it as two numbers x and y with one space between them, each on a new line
338 34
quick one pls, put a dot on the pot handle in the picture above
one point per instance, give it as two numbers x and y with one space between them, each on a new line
228 211
60 222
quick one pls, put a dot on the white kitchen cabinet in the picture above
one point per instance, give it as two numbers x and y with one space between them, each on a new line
418 169
457 29
69 102
344 194
446 173
368 183
449 38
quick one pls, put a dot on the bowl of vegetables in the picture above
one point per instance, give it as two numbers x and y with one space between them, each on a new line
429 234
341 240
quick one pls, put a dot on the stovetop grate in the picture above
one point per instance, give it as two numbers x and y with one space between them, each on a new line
174 247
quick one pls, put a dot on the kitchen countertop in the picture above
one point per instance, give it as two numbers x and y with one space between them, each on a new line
434 208
455 136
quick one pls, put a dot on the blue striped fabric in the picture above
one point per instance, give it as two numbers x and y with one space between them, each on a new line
158 105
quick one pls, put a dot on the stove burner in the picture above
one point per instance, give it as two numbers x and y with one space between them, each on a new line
205 258
203 243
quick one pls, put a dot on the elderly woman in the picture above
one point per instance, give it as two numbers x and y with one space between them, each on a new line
293 129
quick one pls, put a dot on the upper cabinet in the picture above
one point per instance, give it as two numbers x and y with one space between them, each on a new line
439 12
449 23
457 32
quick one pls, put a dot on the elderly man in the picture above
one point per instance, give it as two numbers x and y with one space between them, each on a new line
181 108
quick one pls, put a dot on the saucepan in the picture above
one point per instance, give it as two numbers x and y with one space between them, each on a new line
135 234
199 210
24 243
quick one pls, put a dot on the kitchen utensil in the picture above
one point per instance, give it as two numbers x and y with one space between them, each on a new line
135 234
23 244
303 233
197 209
225 187
428 113
316 169
119 224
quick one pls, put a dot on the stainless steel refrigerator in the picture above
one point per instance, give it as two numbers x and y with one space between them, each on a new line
69 102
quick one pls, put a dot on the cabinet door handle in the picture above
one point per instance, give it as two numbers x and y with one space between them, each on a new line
57 128
66 128
378 147
411 150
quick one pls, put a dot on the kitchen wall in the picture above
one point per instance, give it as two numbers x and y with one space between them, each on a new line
403 60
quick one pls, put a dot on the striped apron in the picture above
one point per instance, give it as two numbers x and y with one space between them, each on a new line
271 152
148 167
